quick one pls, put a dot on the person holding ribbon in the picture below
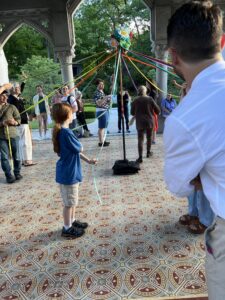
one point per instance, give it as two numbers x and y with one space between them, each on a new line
68 167
9 139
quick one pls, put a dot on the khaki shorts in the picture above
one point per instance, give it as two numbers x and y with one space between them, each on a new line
69 194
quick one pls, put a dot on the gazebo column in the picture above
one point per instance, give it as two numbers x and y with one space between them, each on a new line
66 59
4 77
161 79
161 75
161 12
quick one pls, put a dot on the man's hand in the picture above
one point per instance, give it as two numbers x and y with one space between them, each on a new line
10 122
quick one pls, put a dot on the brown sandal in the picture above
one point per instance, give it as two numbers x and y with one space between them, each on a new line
197 228
30 164
187 220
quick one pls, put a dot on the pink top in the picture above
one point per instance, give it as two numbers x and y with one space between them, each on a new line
57 99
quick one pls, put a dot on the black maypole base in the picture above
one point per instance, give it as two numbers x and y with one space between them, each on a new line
125 167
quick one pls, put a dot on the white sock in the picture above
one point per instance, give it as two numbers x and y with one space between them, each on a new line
66 227
73 220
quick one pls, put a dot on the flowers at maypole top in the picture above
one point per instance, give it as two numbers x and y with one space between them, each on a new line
121 37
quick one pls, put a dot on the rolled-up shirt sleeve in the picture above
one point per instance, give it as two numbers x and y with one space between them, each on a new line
184 158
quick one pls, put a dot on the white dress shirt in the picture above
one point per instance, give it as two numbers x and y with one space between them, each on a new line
194 139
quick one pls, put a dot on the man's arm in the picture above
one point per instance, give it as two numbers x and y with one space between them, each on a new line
184 158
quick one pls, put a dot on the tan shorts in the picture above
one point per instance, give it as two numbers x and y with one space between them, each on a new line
69 194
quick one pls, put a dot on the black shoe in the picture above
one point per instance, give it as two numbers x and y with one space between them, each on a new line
106 144
119 131
128 130
139 160
149 154
72 232
18 176
79 224
10 179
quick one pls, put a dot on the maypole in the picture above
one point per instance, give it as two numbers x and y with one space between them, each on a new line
121 40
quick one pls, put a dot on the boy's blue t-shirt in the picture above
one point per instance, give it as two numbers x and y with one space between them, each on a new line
68 167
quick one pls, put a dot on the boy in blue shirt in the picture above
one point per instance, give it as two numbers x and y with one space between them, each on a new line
68 167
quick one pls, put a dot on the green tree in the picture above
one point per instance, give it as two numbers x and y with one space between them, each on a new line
39 70
96 20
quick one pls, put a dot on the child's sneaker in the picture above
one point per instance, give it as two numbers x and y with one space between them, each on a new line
72 232
78 224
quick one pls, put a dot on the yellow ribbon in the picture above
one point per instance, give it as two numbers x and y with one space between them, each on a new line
174 96
10 145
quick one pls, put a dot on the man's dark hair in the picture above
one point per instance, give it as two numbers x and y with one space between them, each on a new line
39 85
98 80
195 30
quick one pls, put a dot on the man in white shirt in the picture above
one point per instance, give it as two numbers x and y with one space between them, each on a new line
70 99
194 132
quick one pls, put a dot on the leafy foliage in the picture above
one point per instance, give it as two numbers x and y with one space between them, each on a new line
22 45
39 70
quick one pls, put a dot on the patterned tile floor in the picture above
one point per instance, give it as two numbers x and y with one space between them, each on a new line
133 249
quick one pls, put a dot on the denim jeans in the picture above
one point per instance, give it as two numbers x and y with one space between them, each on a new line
126 116
198 205
5 156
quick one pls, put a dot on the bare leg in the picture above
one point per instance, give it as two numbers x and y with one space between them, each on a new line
101 132
40 124
67 214
73 214
153 136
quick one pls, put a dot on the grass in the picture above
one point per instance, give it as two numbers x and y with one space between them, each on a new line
89 109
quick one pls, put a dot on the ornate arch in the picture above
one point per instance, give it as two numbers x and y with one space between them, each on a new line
41 22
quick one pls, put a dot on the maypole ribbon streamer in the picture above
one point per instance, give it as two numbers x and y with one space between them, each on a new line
153 66
10 146
79 77
174 96
153 59
128 72
113 91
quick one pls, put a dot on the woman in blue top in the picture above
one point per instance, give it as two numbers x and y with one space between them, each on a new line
68 167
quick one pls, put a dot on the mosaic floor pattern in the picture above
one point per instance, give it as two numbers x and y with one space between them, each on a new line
133 248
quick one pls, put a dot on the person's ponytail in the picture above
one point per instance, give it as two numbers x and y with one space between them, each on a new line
55 137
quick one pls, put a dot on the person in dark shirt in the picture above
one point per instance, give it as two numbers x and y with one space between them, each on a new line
143 108
68 167
126 99
25 142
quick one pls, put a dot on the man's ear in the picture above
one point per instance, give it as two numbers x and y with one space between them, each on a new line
174 56
222 42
